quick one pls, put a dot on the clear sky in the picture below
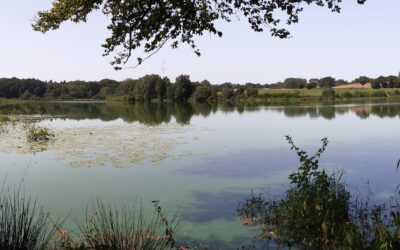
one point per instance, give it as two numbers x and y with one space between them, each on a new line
362 40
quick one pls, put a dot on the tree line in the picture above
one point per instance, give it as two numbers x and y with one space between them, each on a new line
146 88
155 87
391 81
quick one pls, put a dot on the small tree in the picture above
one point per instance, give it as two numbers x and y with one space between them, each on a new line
202 93
327 82
362 80
182 88
311 85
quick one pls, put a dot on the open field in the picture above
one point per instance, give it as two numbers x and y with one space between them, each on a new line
340 92
354 86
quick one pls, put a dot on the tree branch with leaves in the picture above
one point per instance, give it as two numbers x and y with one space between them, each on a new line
149 24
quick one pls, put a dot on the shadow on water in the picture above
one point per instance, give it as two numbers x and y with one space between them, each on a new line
157 113
354 159
251 163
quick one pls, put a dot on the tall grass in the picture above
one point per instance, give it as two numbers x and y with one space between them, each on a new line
23 224
126 228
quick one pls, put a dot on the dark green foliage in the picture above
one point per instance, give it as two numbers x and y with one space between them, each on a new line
347 94
375 85
183 88
362 80
295 83
311 85
154 88
317 212
315 209
328 93
386 82
150 24
202 93
227 94
327 82
341 82
312 214
150 87
250 92
14 87
241 91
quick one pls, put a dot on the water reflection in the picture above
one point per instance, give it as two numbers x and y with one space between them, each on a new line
157 113
212 206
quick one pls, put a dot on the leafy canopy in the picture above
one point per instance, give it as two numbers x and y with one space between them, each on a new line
149 24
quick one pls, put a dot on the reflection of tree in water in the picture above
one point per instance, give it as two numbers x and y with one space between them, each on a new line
330 112
386 110
157 113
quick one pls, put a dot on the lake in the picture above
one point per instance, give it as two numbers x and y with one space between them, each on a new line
198 160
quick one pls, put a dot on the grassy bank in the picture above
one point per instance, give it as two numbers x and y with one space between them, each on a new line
339 93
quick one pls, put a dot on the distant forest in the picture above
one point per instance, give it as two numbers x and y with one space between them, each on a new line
155 87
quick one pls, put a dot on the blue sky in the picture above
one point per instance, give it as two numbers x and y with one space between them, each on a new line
362 40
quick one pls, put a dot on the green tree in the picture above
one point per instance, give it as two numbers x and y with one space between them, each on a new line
340 82
150 24
327 82
227 93
251 92
380 82
311 85
295 83
362 80
202 93
182 88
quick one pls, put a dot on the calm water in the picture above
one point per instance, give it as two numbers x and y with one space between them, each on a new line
199 160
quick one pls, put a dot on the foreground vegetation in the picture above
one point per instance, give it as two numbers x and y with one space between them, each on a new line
318 212
26 226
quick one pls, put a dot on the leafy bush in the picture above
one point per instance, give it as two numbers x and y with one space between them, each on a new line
317 213
347 94
328 93
378 93
315 209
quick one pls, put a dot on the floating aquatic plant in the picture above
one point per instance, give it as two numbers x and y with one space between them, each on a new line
36 133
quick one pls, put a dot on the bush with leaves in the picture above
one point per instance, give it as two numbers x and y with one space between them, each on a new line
317 212
314 209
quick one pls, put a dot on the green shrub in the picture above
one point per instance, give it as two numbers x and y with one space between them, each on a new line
317 213
315 209
378 93
347 94
328 93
